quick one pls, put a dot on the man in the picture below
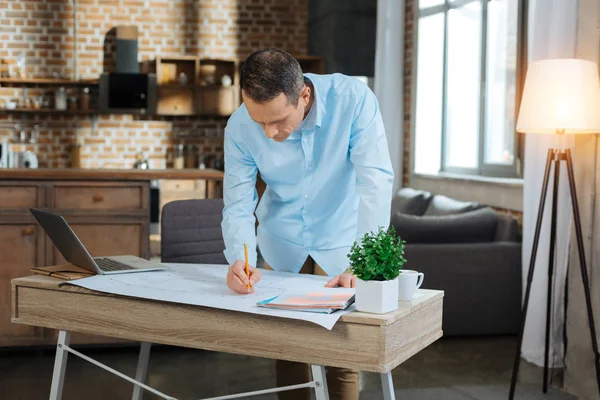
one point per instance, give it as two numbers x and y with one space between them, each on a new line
319 144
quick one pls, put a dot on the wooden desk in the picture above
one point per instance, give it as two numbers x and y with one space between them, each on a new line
367 342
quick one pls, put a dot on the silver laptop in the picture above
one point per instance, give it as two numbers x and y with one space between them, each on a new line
69 245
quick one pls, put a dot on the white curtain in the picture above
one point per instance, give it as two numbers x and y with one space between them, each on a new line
389 59
552 34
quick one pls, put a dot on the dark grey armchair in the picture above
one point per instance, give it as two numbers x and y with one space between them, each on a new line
191 232
470 252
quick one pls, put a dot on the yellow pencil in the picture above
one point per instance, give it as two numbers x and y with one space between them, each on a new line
247 271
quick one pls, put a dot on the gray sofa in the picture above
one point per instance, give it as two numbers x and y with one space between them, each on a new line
469 251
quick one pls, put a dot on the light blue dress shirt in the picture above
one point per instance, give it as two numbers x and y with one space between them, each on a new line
327 184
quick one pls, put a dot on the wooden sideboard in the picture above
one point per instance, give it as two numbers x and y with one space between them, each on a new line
109 212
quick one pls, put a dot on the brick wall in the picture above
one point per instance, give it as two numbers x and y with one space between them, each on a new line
45 31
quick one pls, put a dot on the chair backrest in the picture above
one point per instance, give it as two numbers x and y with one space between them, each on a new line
191 232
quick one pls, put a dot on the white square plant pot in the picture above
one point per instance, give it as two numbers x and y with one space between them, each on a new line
377 297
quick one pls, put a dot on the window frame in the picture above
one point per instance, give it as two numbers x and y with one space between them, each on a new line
484 169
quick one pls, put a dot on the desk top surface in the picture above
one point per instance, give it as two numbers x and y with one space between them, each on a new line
424 298
368 342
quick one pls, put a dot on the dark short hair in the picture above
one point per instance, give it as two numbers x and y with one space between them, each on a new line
268 72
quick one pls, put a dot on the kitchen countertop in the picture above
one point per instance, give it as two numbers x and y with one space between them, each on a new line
131 174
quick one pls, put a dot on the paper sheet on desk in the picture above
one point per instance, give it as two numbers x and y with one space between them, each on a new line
204 285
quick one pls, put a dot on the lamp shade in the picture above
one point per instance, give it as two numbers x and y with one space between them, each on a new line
560 94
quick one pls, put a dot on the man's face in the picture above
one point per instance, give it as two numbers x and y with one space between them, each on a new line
278 117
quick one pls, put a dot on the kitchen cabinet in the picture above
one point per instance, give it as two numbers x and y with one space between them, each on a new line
172 190
106 238
109 210
98 196
110 218
15 197
21 247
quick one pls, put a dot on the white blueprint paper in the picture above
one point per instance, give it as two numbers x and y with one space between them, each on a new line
204 285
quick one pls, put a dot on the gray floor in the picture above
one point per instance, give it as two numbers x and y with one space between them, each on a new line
450 369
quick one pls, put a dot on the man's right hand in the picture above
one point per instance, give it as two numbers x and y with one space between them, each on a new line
237 280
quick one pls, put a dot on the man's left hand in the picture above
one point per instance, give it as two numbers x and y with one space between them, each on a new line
343 280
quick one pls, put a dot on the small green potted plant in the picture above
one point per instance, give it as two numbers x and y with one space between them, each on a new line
376 262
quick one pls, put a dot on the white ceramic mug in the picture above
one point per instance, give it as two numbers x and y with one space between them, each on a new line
408 282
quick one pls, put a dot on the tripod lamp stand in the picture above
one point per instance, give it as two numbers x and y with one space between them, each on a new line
560 97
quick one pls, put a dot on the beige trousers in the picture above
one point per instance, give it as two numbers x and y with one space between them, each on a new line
343 383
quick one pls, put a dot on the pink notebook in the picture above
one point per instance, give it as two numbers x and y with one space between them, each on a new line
326 300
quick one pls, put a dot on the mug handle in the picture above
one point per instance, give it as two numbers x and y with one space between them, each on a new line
420 279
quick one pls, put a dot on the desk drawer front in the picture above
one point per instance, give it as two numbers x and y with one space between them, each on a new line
177 184
98 197
18 197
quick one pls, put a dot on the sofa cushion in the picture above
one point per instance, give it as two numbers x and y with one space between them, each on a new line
467 227
411 201
507 229
442 205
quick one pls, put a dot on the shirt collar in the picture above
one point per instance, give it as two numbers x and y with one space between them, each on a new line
315 115
309 122
320 100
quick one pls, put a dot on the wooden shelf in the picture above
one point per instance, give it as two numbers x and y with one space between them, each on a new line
46 111
177 58
195 114
168 69
47 81
177 86
195 86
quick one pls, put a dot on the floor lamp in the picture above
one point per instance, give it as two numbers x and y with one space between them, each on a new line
560 97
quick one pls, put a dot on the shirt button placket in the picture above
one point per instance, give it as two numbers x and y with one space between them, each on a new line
307 148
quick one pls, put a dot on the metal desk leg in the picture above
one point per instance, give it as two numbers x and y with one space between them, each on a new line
318 376
388 386
60 365
142 369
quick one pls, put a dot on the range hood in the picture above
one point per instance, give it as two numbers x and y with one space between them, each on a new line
125 90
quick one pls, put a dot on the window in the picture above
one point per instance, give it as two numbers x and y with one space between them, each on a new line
467 83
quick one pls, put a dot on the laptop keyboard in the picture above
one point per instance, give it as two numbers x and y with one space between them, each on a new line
106 264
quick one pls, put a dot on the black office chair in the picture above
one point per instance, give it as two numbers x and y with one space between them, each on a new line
191 232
